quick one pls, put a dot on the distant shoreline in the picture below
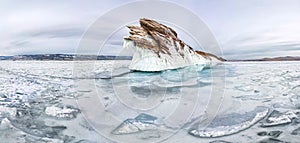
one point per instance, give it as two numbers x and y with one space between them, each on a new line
71 57
63 57
287 58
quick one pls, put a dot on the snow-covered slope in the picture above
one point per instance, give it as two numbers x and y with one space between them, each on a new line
157 48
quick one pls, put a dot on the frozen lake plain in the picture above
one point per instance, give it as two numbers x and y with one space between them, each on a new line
102 101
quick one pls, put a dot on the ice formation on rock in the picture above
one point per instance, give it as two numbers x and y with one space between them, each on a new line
157 48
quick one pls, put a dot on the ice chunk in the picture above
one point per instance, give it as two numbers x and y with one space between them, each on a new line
142 122
274 133
271 133
8 111
62 112
5 124
146 118
276 118
231 123
133 126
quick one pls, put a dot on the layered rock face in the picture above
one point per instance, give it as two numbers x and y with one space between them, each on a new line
157 48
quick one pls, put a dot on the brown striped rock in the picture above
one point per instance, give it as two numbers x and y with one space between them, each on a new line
157 48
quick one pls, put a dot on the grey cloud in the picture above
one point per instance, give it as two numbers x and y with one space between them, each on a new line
58 32
264 43
50 27
19 43
36 41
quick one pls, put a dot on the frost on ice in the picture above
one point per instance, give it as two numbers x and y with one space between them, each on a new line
157 48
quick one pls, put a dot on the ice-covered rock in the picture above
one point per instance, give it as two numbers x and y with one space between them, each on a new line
230 123
157 48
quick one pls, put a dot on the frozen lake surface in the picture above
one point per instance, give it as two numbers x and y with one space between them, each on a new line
102 101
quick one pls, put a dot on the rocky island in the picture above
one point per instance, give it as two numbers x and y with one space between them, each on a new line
157 48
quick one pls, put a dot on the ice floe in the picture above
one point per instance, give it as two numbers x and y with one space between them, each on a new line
230 123
276 118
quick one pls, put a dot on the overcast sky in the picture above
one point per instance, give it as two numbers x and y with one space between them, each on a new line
245 29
